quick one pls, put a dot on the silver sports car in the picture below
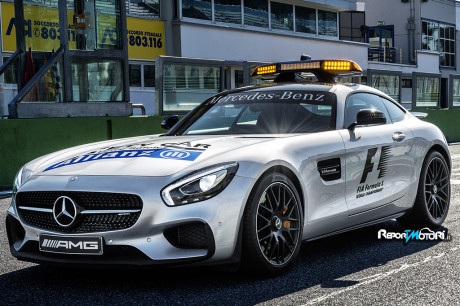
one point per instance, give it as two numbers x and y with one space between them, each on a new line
246 176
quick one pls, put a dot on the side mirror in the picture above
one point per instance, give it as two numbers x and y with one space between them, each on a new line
368 117
169 122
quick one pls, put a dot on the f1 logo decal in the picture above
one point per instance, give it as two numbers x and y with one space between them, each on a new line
382 167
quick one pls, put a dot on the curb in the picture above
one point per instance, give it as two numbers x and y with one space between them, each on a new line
5 194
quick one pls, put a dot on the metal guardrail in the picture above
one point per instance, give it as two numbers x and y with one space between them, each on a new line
386 55
8 61
141 107
37 76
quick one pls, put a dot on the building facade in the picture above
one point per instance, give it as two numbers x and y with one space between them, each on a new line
94 27
216 43
183 51
413 51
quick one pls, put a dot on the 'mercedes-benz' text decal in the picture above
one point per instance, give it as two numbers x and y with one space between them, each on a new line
285 95
278 96
155 153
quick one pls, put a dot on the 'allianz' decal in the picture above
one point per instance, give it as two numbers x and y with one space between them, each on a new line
155 153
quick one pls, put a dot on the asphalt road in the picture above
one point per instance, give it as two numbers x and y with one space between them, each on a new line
349 269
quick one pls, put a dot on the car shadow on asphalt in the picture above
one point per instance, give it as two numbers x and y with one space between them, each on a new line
325 263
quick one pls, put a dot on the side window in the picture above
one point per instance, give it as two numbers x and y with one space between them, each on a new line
360 101
396 113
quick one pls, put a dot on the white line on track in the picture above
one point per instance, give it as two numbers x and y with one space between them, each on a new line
455 156
379 276
455 182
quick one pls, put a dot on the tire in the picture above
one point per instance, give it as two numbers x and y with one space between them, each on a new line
433 195
272 226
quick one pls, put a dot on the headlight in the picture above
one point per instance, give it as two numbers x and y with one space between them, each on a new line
200 185
17 182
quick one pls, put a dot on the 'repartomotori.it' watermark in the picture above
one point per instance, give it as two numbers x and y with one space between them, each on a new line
424 234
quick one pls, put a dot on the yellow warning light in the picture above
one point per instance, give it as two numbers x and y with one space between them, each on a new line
341 66
266 69
300 66
337 65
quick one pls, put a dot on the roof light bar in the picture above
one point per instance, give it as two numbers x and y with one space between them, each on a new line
334 67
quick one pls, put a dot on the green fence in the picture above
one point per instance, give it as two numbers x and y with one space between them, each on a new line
448 120
22 140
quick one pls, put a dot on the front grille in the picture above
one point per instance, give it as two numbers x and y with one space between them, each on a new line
87 201
188 236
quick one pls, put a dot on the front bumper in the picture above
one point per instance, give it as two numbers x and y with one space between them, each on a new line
152 239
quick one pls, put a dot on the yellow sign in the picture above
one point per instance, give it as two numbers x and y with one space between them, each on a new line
41 28
145 37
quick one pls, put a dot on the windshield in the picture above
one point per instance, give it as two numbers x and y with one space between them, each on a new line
262 112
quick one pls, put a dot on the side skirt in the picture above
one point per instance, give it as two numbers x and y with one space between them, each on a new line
351 228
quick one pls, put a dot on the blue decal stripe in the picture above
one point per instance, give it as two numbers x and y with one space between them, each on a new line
154 153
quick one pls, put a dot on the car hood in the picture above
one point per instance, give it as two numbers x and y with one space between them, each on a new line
140 156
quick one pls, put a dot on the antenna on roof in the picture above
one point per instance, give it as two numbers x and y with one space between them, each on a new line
305 57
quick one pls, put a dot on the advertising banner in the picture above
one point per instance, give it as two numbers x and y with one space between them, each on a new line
145 37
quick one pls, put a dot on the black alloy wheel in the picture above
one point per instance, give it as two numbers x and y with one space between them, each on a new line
278 223
437 189
433 195
272 225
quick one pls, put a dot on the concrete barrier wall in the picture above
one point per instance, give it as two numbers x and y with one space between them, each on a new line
22 140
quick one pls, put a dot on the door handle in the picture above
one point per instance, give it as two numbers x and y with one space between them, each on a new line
398 136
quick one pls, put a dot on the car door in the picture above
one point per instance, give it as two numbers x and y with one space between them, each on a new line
379 166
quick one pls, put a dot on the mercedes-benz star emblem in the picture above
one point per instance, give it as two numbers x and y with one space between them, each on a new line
65 211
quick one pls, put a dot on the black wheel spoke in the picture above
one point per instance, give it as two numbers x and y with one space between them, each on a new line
274 198
275 246
444 194
268 236
286 207
441 200
279 197
260 215
267 196
430 174
265 207
264 227
290 237
436 170
430 203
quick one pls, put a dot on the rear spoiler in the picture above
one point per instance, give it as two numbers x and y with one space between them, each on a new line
419 115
